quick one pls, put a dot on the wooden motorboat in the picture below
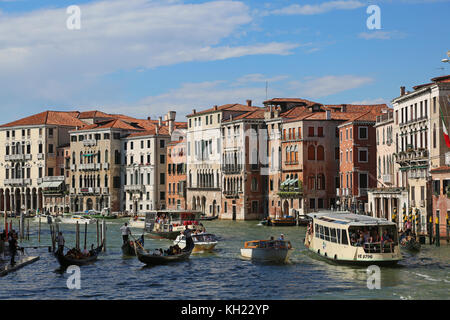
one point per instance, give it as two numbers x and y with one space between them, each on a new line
77 219
267 250
203 242
152 259
280 222
128 247
68 260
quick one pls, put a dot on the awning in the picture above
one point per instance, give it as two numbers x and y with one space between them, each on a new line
88 155
293 181
286 182
45 184
51 184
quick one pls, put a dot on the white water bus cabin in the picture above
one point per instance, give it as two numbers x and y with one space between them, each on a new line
352 238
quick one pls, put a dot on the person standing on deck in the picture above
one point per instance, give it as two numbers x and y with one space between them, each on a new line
125 232
189 242
12 246
61 241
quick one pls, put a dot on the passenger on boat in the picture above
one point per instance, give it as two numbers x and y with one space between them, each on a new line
386 239
157 252
281 237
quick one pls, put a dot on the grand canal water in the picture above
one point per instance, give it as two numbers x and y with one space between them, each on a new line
223 274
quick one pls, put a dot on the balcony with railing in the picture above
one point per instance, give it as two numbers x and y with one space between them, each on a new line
387 178
89 166
134 188
231 168
411 155
362 192
89 142
17 182
18 157
40 156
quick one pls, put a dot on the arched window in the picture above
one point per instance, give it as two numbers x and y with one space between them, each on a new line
434 135
73 157
311 183
81 157
106 156
311 153
320 153
287 154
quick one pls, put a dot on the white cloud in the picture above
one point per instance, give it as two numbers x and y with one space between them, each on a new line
38 54
371 101
307 9
328 85
199 96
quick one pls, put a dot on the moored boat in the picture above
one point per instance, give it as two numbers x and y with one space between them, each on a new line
203 242
70 259
267 250
137 222
354 239
46 218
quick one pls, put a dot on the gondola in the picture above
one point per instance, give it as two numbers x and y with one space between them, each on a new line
411 245
128 247
205 218
66 261
151 260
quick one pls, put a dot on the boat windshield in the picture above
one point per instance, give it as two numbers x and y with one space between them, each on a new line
374 239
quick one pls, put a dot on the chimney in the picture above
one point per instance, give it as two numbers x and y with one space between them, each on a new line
328 113
215 107
402 91
149 118
156 130
193 111
171 120
249 103
344 108
160 121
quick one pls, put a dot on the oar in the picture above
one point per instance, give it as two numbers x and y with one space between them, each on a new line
138 243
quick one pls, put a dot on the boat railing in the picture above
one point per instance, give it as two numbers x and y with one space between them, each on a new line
379 247
279 244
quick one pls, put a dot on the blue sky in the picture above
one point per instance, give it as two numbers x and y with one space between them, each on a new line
143 57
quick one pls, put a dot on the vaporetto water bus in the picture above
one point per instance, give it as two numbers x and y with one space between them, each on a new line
354 239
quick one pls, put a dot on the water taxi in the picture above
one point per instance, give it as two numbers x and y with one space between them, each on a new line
204 242
167 224
354 239
76 218
267 250
46 218
280 222
137 222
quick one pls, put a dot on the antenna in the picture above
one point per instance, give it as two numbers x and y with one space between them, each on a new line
267 84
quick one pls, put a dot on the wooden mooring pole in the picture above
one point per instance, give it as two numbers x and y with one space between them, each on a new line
39 230
98 243
28 229
77 238
85 235
104 235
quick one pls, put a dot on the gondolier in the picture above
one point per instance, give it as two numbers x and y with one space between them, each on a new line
61 242
188 236
125 232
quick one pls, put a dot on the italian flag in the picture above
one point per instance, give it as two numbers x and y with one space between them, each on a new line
444 129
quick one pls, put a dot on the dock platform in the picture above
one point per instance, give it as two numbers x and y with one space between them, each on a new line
6 268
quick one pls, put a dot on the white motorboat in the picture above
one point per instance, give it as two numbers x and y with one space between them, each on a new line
267 250
204 242
137 222
46 218
77 218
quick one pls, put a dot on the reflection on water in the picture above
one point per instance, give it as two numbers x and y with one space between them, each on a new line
223 274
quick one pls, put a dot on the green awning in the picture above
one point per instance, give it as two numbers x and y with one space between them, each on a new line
88 155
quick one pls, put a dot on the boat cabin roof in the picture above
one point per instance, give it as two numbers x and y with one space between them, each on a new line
350 219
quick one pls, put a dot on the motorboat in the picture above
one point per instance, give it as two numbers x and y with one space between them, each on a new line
204 242
74 219
267 250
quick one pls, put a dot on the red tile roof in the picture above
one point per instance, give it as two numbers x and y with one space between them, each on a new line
440 169
292 100
254 114
226 107
59 118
